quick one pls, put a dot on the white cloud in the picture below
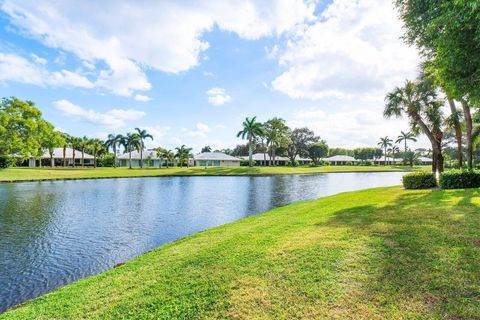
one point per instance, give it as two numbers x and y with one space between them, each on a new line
142 98
353 50
159 133
218 96
114 118
163 35
38 59
18 69
202 127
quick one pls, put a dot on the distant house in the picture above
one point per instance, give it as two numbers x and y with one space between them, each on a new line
425 161
259 159
57 159
150 159
340 160
389 161
210 159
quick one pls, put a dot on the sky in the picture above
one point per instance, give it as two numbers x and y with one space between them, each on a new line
189 72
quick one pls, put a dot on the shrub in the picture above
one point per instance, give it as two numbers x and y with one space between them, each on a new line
245 163
459 179
293 163
349 163
6 161
105 160
419 180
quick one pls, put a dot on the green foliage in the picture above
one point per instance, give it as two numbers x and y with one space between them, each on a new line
294 163
106 160
419 180
300 139
6 162
246 163
367 153
318 150
460 179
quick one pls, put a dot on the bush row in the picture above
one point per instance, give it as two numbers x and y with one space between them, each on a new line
453 179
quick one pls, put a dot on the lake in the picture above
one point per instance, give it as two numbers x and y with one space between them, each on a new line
56 232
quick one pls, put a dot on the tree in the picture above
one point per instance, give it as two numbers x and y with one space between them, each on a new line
66 142
206 149
131 142
251 130
317 151
96 145
300 139
385 143
453 122
277 134
83 144
393 151
183 155
447 36
170 156
75 143
161 154
142 135
405 137
418 100
114 141
54 140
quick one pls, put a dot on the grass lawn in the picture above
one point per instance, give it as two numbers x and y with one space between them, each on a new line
379 253
26 174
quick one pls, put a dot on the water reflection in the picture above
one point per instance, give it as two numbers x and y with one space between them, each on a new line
53 233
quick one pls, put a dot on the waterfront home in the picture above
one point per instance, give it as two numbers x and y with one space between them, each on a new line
57 159
209 159
341 160
389 161
150 159
263 159
425 161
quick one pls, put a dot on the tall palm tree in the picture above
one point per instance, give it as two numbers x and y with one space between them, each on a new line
393 151
142 135
183 154
418 100
75 143
161 152
385 143
83 144
170 156
131 142
96 145
251 130
67 141
405 137
114 141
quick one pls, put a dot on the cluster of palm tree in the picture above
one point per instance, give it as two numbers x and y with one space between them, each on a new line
181 155
82 144
133 141
389 147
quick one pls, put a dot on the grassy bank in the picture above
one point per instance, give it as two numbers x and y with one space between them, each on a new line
27 174
380 253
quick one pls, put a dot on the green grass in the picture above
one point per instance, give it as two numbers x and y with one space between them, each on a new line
28 174
379 253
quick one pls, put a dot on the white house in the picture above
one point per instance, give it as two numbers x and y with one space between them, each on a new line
209 159
341 160
150 159
57 158
425 161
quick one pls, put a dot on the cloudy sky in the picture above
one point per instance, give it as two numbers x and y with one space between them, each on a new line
190 71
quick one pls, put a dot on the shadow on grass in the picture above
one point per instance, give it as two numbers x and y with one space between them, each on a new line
423 254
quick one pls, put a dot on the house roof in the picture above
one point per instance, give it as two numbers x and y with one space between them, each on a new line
215 156
261 157
341 158
425 159
389 159
58 154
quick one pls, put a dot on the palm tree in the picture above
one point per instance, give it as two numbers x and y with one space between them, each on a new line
142 135
131 142
418 100
67 141
83 144
161 155
75 143
170 156
393 151
405 137
251 130
206 149
114 141
385 143
183 154
96 145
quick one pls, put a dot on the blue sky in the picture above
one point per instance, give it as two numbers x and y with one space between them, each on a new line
190 72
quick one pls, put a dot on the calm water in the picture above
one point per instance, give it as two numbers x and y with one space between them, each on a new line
53 233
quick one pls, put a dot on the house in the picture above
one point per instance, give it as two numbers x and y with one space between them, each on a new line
389 161
150 159
57 159
340 160
425 161
210 159
263 159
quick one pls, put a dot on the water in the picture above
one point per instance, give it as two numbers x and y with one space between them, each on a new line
53 233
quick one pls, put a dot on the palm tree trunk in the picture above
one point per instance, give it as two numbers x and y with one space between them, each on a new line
64 155
469 129
458 133
83 157
73 156
250 152
114 156
385 157
130 160
141 158
95 157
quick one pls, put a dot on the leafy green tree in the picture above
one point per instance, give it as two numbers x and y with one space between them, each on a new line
54 140
385 143
418 100
277 134
161 154
206 149
113 142
251 130
142 135
317 151
300 139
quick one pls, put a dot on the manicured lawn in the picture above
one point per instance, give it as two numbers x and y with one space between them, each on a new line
379 253
22 174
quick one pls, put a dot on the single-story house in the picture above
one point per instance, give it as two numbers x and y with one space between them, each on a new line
341 160
425 161
263 159
57 159
150 159
210 159
390 161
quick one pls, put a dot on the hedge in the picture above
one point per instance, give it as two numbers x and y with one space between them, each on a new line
419 180
460 179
